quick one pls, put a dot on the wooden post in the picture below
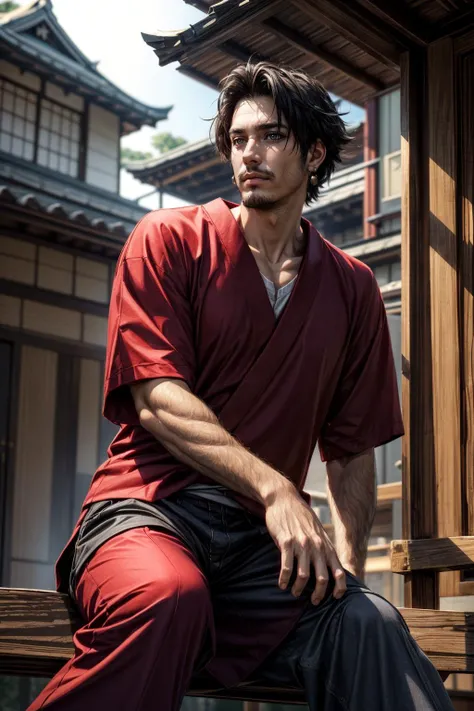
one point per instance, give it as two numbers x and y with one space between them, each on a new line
418 473
444 293
467 276
371 172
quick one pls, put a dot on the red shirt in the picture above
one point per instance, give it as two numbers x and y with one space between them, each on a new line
188 302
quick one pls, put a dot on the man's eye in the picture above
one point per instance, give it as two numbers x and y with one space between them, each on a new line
237 141
274 136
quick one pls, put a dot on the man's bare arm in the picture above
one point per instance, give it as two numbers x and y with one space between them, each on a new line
192 433
352 495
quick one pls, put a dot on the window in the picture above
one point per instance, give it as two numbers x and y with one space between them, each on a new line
55 143
59 138
17 119
389 147
387 272
392 176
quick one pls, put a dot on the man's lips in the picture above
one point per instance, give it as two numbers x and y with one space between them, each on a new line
253 178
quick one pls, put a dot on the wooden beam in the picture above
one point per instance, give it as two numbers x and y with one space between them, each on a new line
379 564
418 479
444 291
455 24
302 43
446 637
36 628
371 171
176 177
198 76
401 18
456 553
237 19
238 51
346 23
467 285
386 493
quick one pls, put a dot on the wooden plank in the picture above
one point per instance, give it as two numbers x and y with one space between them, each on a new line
371 171
456 553
386 493
401 17
237 19
302 43
447 637
198 76
36 629
467 277
345 20
381 564
418 480
444 296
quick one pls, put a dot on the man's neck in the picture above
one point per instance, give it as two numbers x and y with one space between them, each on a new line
274 234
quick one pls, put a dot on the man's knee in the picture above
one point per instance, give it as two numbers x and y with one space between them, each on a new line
366 612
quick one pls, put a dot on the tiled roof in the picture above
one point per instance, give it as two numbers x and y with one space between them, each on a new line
31 188
35 40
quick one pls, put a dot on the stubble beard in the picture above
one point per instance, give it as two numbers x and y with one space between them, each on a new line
258 202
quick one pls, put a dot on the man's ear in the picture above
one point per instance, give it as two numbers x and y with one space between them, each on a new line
316 155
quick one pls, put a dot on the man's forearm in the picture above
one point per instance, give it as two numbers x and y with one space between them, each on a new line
192 433
352 495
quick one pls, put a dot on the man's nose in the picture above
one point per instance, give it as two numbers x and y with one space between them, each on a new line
251 152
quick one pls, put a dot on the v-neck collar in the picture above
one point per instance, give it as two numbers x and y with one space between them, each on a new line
240 254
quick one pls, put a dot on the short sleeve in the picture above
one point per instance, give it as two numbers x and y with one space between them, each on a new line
150 331
365 409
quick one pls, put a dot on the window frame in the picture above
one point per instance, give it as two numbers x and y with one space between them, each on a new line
41 97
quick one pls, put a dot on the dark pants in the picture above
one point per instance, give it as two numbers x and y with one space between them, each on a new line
198 588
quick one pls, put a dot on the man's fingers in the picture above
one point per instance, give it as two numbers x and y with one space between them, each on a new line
340 584
321 571
287 560
303 563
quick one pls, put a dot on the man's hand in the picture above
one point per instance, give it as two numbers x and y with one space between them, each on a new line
299 534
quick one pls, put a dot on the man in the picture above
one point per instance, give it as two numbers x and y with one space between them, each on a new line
238 338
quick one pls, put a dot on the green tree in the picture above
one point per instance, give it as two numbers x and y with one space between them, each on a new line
8 6
164 142
128 155
161 142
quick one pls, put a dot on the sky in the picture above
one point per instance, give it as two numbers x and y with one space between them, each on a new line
110 32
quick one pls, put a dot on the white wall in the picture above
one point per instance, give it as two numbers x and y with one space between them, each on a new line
26 79
72 101
103 159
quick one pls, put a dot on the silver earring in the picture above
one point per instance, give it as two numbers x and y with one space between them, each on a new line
233 179
313 179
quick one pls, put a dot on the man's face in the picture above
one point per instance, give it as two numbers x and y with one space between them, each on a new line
267 169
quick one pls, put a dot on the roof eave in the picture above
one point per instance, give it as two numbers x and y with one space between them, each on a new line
131 110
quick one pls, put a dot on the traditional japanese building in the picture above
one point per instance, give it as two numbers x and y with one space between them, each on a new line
62 225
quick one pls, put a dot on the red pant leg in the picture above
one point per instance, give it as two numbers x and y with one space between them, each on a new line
148 609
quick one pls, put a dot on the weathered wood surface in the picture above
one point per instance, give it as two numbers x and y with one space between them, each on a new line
455 553
419 485
36 628
444 192
467 276
446 637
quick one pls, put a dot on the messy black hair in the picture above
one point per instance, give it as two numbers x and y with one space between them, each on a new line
301 99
